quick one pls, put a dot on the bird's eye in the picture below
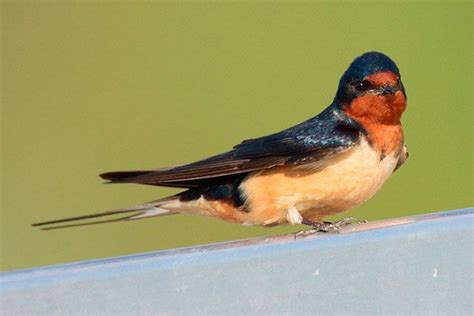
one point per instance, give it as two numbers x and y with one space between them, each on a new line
362 85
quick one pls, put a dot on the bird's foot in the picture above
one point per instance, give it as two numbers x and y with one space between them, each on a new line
326 227
316 227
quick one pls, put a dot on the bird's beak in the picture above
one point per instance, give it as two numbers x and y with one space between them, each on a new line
387 89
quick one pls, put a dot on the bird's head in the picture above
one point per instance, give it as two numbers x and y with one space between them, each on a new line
371 89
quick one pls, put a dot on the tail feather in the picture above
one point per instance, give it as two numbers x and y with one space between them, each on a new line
119 176
141 211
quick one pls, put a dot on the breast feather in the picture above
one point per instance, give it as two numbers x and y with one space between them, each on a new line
338 183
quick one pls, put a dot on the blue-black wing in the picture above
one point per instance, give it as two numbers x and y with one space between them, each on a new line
325 135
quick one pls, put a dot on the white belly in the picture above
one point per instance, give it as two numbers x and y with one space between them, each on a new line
348 182
340 183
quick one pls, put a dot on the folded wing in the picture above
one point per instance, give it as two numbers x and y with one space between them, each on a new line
309 141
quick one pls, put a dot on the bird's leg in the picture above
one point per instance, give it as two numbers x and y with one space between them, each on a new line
294 217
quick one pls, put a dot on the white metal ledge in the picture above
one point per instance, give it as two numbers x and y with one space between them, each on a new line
412 265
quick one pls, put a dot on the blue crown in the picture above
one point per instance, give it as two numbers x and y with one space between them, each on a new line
370 63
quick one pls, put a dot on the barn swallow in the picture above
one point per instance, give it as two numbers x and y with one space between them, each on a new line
328 164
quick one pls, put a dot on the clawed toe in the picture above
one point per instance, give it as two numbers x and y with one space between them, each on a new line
326 227
305 233
349 221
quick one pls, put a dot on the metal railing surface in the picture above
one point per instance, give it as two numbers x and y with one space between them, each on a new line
412 265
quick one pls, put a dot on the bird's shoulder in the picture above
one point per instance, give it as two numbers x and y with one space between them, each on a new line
332 130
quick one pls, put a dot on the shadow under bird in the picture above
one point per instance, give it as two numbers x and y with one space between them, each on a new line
328 164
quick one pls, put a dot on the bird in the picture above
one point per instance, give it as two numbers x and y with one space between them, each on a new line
328 164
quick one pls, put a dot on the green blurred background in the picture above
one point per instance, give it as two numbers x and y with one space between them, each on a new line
89 87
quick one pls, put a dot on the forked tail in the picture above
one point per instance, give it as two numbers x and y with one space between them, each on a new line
149 209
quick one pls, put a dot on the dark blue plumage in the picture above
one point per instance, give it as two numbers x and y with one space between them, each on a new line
332 129
367 64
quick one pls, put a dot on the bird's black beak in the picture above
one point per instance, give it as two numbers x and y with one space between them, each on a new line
387 89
